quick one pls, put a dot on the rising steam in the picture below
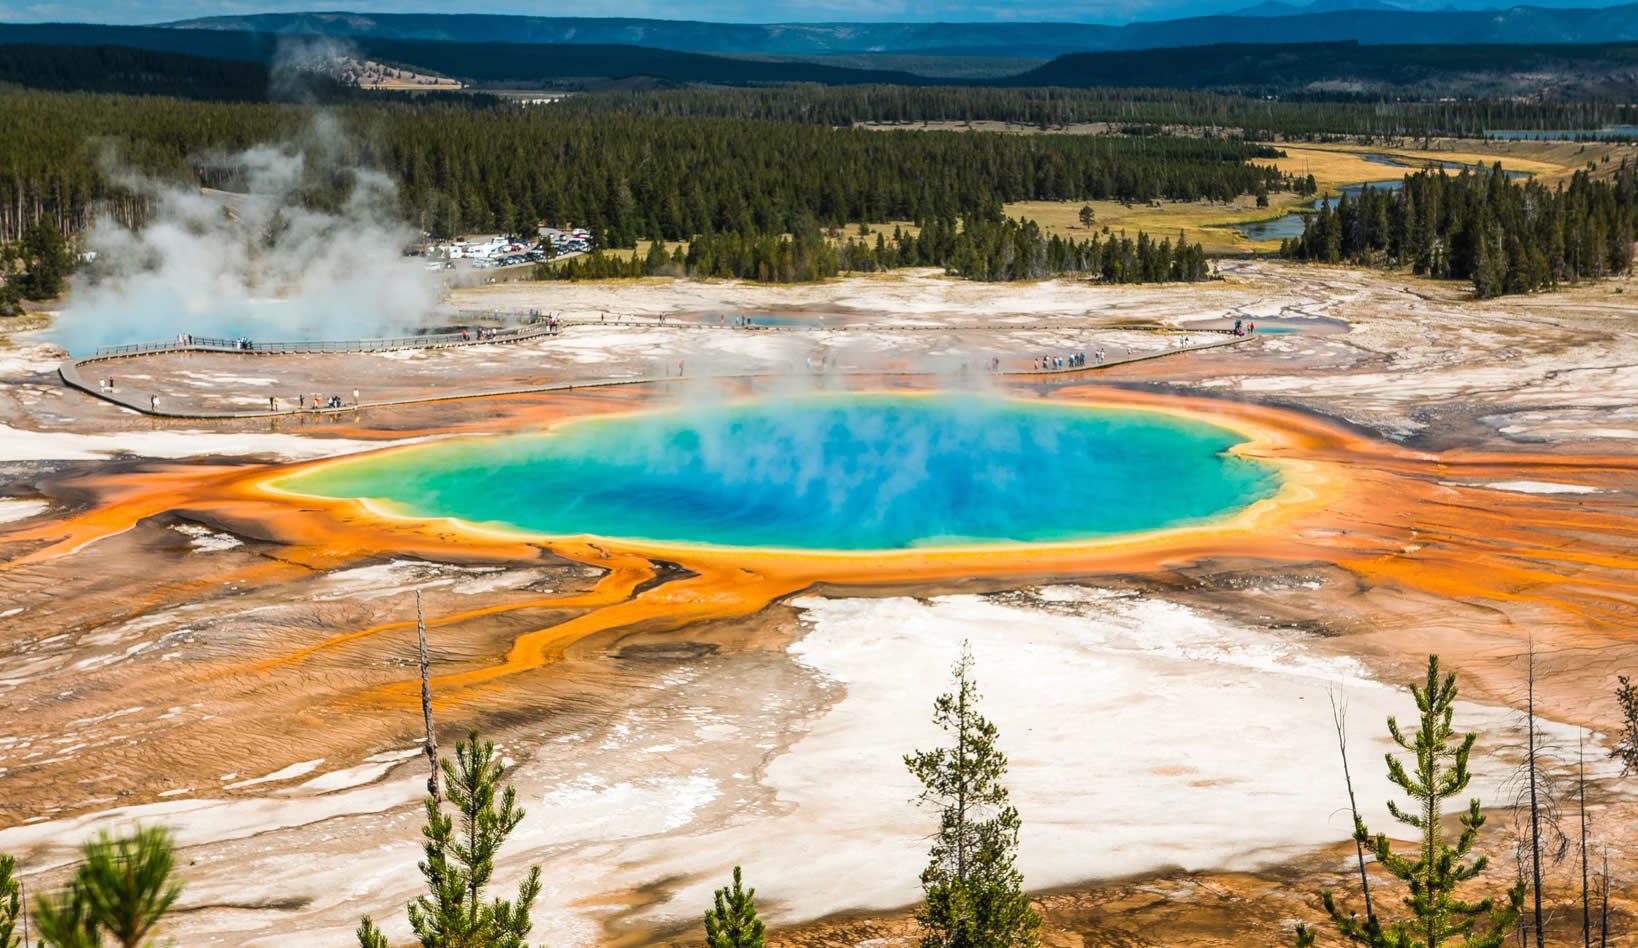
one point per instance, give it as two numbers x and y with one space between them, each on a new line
259 261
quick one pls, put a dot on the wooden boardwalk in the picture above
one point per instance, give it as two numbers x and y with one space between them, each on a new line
140 401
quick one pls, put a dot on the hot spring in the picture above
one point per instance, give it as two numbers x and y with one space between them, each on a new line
825 472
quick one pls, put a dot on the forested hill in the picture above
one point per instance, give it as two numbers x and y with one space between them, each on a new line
148 72
1521 24
1137 111
483 62
625 177
1599 72
1268 67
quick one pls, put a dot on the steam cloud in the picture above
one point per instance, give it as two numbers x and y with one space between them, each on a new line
258 264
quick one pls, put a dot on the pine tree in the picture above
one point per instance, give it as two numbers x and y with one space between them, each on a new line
1626 747
127 883
1438 916
122 889
975 896
49 263
459 865
64 920
11 904
732 921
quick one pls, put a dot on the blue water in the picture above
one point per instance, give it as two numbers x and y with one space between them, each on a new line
1293 223
858 472
771 319
1280 228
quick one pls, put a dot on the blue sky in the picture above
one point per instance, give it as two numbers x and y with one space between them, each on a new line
758 11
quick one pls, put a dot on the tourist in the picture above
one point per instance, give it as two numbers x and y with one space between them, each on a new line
272 403
153 402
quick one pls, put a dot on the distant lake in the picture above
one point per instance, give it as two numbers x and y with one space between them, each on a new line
1281 228
1292 224
1566 135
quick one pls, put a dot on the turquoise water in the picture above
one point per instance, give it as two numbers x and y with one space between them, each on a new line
871 472
770 319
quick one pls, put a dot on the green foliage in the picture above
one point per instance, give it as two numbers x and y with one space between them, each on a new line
127 883
979 247
974 892
624 177
11 904
1438 916
1253 118
369 936
1505 236
64 920
732 921
46 252
1626 747
122 889
460 861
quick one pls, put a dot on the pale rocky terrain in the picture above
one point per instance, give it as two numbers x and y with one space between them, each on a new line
238 672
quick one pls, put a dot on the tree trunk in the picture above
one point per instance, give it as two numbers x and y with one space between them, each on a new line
1535 810
961 784
426 703
1604 888
1581 780
1339 716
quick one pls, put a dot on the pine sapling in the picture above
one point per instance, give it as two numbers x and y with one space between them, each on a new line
1626 746
11 905
974 891
731 922
1437 915
460 860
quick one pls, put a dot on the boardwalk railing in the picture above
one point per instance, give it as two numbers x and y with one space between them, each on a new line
310 346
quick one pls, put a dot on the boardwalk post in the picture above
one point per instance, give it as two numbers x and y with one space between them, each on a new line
426 702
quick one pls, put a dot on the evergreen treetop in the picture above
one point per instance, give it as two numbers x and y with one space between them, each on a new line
732 922
460 861
11 904
1439 772
974 891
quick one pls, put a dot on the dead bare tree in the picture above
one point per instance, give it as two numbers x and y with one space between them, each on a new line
1537 815
1604 888
426 702
1581 792
1339 718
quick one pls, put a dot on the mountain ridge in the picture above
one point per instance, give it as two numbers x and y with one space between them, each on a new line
1516 25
